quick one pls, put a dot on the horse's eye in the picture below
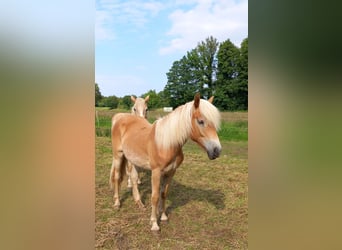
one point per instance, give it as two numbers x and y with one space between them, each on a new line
134 109
200 122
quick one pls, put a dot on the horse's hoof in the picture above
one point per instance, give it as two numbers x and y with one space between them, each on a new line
140 205
164 218
116 206
155 228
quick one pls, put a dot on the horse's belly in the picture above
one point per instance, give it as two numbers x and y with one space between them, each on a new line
137 159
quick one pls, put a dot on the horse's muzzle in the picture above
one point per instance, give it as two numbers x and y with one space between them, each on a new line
214 153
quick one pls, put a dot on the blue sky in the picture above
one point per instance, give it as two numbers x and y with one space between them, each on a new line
136 41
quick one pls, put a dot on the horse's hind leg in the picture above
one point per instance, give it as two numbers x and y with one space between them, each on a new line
135 190
116 175
111 176
128 172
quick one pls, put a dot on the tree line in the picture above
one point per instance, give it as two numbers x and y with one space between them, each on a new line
212 68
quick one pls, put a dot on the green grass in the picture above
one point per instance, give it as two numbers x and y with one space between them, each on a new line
207 203
234 131
231 129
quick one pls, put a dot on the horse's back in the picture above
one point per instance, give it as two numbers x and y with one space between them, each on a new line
126 119
128 125
117 117
130 134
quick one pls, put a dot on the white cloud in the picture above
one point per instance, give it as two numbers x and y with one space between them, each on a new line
102 31
111 13
222 19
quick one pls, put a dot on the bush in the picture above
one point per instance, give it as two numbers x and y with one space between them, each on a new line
110 101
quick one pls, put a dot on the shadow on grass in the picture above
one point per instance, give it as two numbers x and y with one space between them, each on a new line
179 194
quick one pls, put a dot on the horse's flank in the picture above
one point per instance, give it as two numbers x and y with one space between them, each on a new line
123 122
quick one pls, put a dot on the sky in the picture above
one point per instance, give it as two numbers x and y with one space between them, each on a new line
137 41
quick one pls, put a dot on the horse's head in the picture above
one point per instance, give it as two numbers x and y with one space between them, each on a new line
205 123
140 106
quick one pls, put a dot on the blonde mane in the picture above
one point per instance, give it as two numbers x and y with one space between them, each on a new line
175 128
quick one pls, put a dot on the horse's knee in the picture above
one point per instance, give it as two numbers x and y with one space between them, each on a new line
154 199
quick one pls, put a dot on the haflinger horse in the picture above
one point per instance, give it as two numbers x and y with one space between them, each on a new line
140 106
139 109
158 147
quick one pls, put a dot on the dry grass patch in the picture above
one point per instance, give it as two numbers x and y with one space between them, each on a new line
207 203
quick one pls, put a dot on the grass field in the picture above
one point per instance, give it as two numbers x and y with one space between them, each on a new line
207 203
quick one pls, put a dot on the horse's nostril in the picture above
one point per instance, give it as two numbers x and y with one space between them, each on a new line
217 151
214 153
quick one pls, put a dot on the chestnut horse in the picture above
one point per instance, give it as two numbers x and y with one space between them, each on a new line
158 147
139 109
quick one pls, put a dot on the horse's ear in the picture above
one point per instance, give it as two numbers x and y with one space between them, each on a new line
211 99
132 98
147 98
197 100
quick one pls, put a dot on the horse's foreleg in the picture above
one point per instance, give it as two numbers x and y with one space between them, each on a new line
165 183
135 190
155 198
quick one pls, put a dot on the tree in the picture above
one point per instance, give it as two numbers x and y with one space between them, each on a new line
243 75
164 100
98 95
195 72
109 101
181 85
125 102
154 99
227 84
211 69
207 65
